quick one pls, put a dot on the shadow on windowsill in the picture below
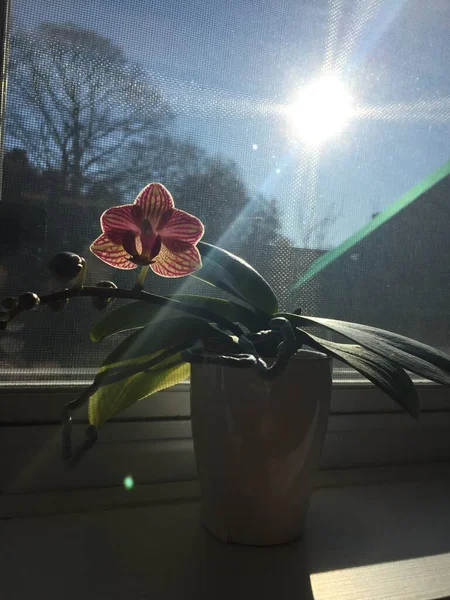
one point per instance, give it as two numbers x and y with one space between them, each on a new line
218 570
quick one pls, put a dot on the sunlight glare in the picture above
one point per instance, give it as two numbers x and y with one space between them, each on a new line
322 109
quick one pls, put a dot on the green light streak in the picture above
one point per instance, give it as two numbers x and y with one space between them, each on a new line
410 196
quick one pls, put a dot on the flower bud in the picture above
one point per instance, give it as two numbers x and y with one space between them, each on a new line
66 265
100 302
28 301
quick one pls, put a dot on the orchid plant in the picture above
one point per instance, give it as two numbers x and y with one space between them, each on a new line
168 333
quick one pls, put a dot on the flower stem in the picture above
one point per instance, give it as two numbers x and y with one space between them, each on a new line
102 292
140 280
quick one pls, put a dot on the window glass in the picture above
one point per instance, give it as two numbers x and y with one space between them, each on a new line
312 138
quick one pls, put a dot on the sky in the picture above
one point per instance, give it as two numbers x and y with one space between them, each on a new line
232 69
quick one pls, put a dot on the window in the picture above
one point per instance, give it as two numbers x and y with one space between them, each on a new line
310 137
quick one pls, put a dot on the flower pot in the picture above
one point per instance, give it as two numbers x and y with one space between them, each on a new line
257 446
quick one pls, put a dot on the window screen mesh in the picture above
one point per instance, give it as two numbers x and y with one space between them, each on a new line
312 139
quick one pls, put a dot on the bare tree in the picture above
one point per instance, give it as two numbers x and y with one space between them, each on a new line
79 107
317 231
166 158
216 193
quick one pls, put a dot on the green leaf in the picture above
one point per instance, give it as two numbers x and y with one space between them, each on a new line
235 276
385 374
407 353
135 315
111 399
225 308
162 334
131 316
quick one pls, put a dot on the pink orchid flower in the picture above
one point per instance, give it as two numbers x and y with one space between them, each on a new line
150 232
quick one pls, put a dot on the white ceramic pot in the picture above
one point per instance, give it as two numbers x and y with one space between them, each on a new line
257 446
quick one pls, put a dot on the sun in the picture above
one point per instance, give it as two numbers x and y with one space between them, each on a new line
322 109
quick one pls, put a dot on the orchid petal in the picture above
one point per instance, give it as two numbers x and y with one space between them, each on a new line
111 253
182 226
154 200
177 264
118 219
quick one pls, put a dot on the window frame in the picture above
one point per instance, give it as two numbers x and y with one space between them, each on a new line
43 403
4 29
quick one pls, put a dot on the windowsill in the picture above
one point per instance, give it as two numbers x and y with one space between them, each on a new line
153 438
363 539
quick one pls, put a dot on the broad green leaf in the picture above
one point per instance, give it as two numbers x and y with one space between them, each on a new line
407 353
161 334
386 375
109 400
225 308
131 316
120 358
135 315
235 276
